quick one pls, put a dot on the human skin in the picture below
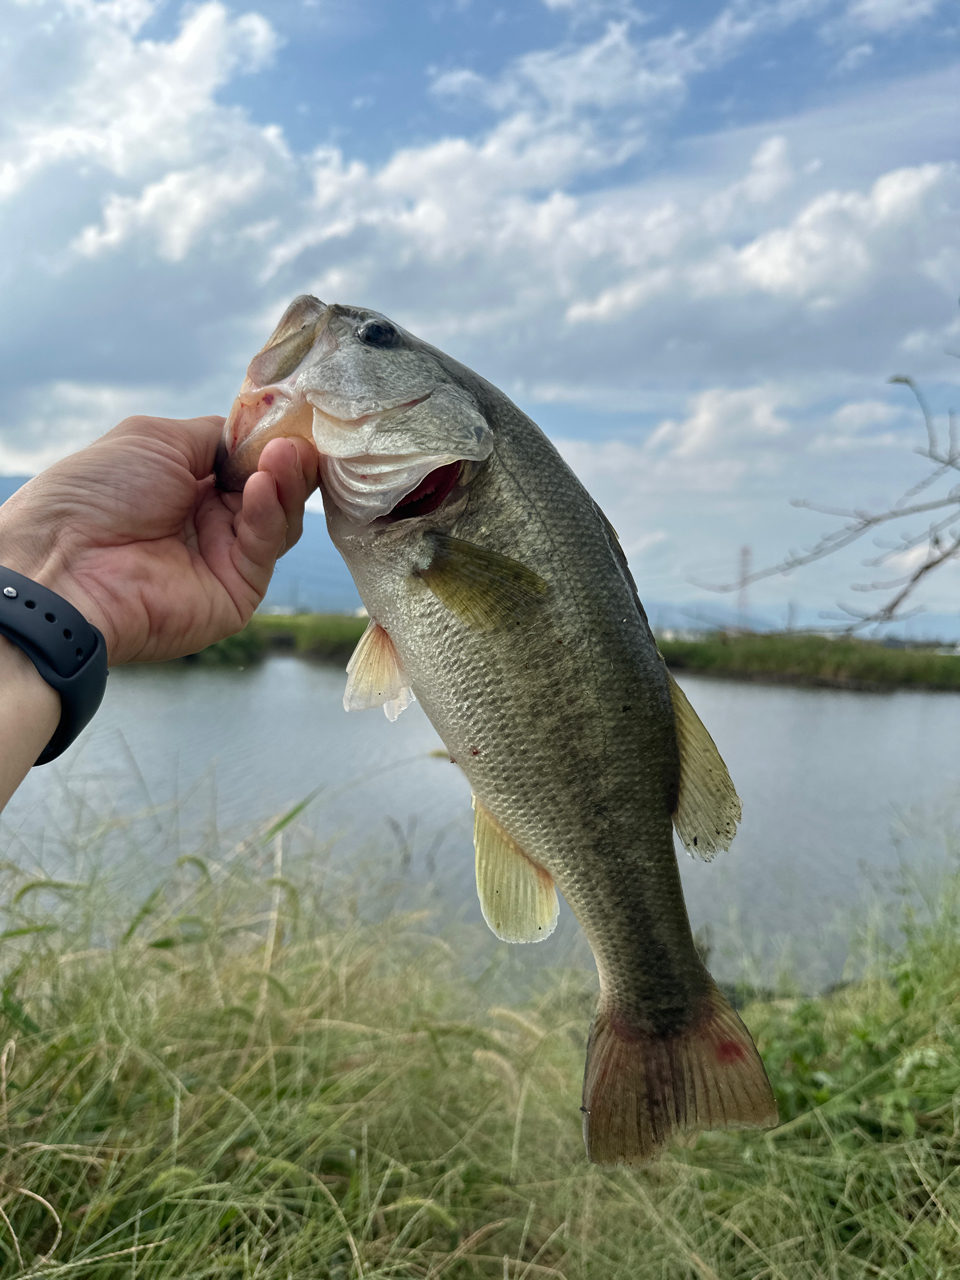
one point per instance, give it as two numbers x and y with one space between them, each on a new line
134 533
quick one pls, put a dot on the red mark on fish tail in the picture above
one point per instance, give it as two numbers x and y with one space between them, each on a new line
729 1051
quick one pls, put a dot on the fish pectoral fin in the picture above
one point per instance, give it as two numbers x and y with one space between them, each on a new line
517 896
708 807
483 588
375 676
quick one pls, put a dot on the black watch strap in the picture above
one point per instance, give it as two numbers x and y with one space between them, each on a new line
69 653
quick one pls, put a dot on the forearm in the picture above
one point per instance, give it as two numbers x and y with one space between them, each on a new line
29 714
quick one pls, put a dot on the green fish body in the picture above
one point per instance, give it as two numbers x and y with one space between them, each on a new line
499 597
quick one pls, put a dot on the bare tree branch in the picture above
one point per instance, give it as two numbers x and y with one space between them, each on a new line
941 537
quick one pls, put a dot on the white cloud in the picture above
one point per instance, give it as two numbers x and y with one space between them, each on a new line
461 82
720 418
583 9
175 210
887 15
620 69
608 72
861 424
689 496
855 57
131 103
62 418
838 246
832 243
734 304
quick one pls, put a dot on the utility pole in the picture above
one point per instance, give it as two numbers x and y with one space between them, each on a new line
746 563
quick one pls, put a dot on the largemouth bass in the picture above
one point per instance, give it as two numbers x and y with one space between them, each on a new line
499 597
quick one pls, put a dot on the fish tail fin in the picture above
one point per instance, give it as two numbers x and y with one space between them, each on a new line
640 1089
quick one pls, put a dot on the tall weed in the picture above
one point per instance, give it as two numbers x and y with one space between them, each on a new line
247 1074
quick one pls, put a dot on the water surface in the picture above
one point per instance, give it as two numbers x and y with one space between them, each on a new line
836 785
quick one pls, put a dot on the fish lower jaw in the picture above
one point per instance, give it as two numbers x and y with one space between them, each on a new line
365 490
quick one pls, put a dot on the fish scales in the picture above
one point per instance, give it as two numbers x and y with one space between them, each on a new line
560 713
566 733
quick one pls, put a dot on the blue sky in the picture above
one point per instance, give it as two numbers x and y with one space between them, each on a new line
691 239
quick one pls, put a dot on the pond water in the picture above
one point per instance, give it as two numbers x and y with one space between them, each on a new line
840 791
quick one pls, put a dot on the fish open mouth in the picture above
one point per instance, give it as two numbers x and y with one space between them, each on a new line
429 493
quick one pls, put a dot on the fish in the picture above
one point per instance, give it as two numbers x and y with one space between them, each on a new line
500 598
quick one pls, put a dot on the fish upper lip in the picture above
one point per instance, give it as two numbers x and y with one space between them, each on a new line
255 395
364 418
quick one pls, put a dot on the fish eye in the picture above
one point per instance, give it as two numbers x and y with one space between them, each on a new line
378 333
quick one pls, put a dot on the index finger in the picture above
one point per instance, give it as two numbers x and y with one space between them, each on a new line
195 439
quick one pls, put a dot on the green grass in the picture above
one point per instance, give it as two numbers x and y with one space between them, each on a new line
813 659
326 637
794 657
246 1075
331 637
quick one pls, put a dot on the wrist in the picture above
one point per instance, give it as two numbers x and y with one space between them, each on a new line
21 678
29 715
30 544
41 555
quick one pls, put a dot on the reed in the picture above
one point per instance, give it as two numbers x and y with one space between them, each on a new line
251 1072
842 661
325 637
792 657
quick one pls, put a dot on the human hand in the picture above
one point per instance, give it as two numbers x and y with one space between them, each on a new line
133 532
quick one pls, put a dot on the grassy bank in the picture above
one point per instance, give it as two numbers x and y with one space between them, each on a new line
844 662
240 1077
789 657
324 637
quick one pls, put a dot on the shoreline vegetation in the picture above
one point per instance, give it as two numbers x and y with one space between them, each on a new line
802 658
242 1074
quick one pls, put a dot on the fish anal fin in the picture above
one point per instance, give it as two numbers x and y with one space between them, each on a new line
485 589
640 1090
375 676
517 895
708 807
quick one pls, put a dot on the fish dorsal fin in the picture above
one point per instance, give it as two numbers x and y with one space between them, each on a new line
517 895
485 589
708 808
375 677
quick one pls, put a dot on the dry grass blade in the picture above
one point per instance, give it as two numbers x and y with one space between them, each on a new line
381 1121
464 1248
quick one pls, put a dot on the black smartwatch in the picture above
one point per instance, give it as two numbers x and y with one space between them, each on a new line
69 653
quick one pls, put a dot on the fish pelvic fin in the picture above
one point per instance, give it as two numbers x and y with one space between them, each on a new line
640 1089
517 896
708 807
375 675
485 589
